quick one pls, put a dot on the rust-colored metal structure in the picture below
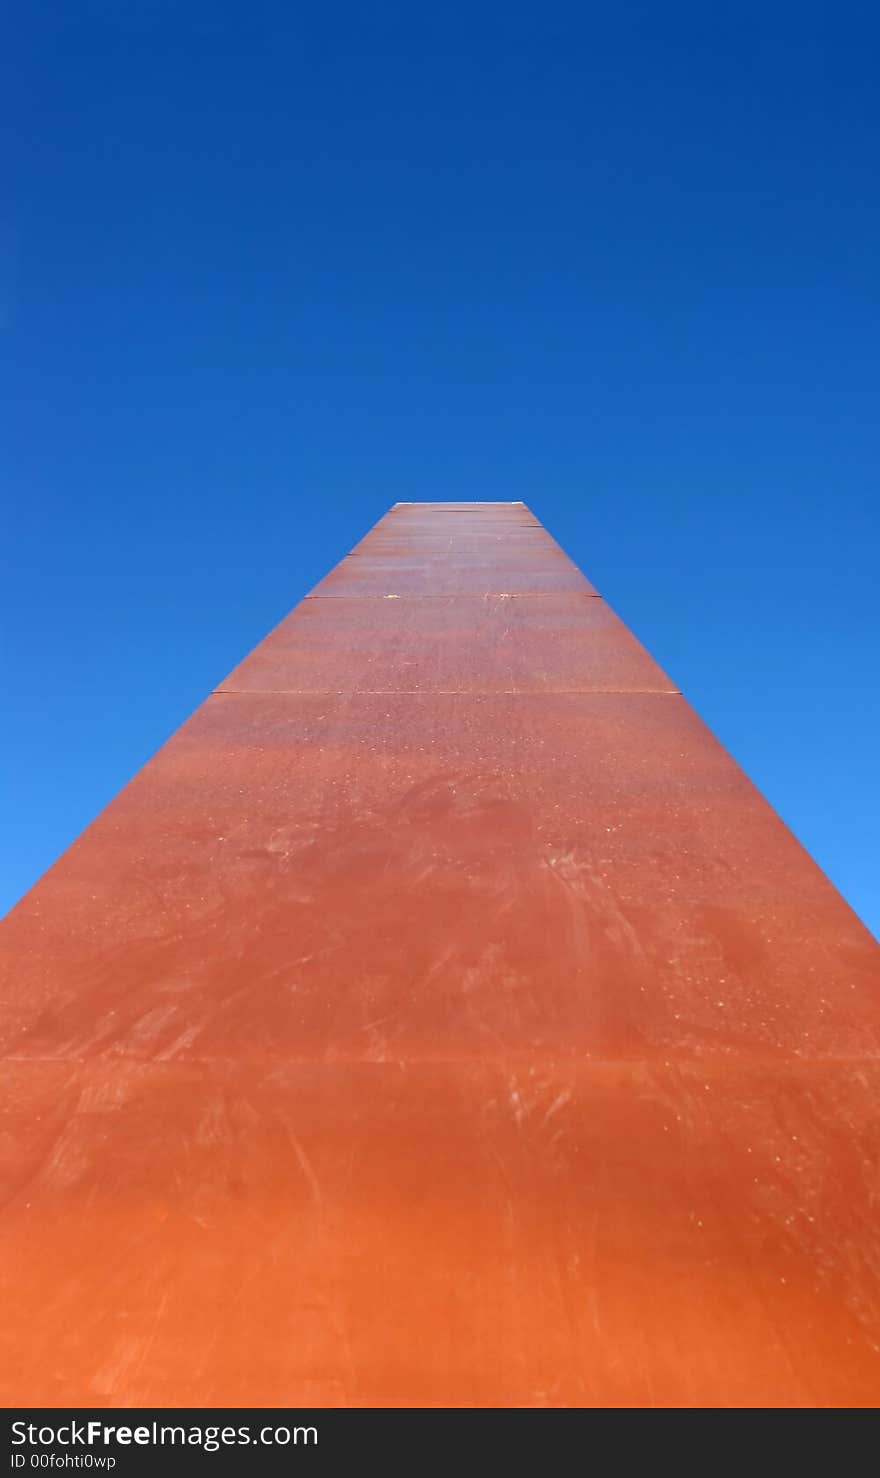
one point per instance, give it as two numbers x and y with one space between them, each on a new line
440 1018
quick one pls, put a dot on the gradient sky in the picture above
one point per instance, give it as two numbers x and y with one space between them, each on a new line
266 268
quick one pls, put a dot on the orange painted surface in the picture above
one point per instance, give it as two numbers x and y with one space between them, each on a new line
440 1017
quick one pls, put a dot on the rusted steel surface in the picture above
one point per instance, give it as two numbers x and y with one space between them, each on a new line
440 1017
447 575
487 644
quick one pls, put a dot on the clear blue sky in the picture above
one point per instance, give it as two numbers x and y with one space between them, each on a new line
266 268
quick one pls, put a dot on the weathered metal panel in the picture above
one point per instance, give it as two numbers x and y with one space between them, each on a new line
441 1017
450 576
490 644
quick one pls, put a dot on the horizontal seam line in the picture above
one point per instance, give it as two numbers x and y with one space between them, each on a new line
442 692
450 595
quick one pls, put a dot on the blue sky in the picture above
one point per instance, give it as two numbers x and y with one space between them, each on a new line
267 268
